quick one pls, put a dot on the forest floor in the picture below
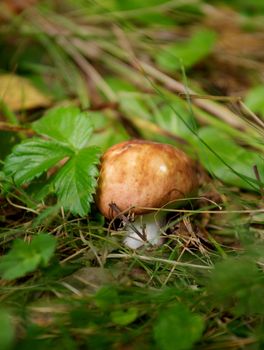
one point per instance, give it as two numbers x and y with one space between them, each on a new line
187 73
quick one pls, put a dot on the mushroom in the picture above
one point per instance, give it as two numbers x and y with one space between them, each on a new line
136 175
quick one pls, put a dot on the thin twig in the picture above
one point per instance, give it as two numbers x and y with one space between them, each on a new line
88 69
153 259
210 97
256 172
199 211
110 15
21 207
16 128
118 212
211 107
148 70
78 252
250 113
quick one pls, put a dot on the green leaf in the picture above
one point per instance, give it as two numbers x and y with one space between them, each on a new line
24 258
177 119
110 131
75 183
137 4
19 261
68 131
233 164
32 158
124 318
255 99
178 328
120 85
188 53
45 245
7 331
66 125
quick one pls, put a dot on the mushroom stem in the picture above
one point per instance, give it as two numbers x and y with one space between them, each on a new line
149 226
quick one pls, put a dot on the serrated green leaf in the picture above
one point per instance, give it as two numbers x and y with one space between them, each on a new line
40 188
7 331
68 131
32 158
66 125
178 328
26 257
75 183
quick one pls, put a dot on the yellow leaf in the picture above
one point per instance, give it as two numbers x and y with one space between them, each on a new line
19 93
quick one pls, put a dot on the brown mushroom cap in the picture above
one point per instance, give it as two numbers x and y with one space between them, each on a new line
141 173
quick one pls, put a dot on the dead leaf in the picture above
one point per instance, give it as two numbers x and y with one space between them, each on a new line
19 93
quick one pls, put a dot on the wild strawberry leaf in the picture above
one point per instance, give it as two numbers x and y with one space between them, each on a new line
33 157
75 183
68 131
66 125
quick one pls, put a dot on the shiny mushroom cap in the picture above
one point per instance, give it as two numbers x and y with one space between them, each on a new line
137 173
